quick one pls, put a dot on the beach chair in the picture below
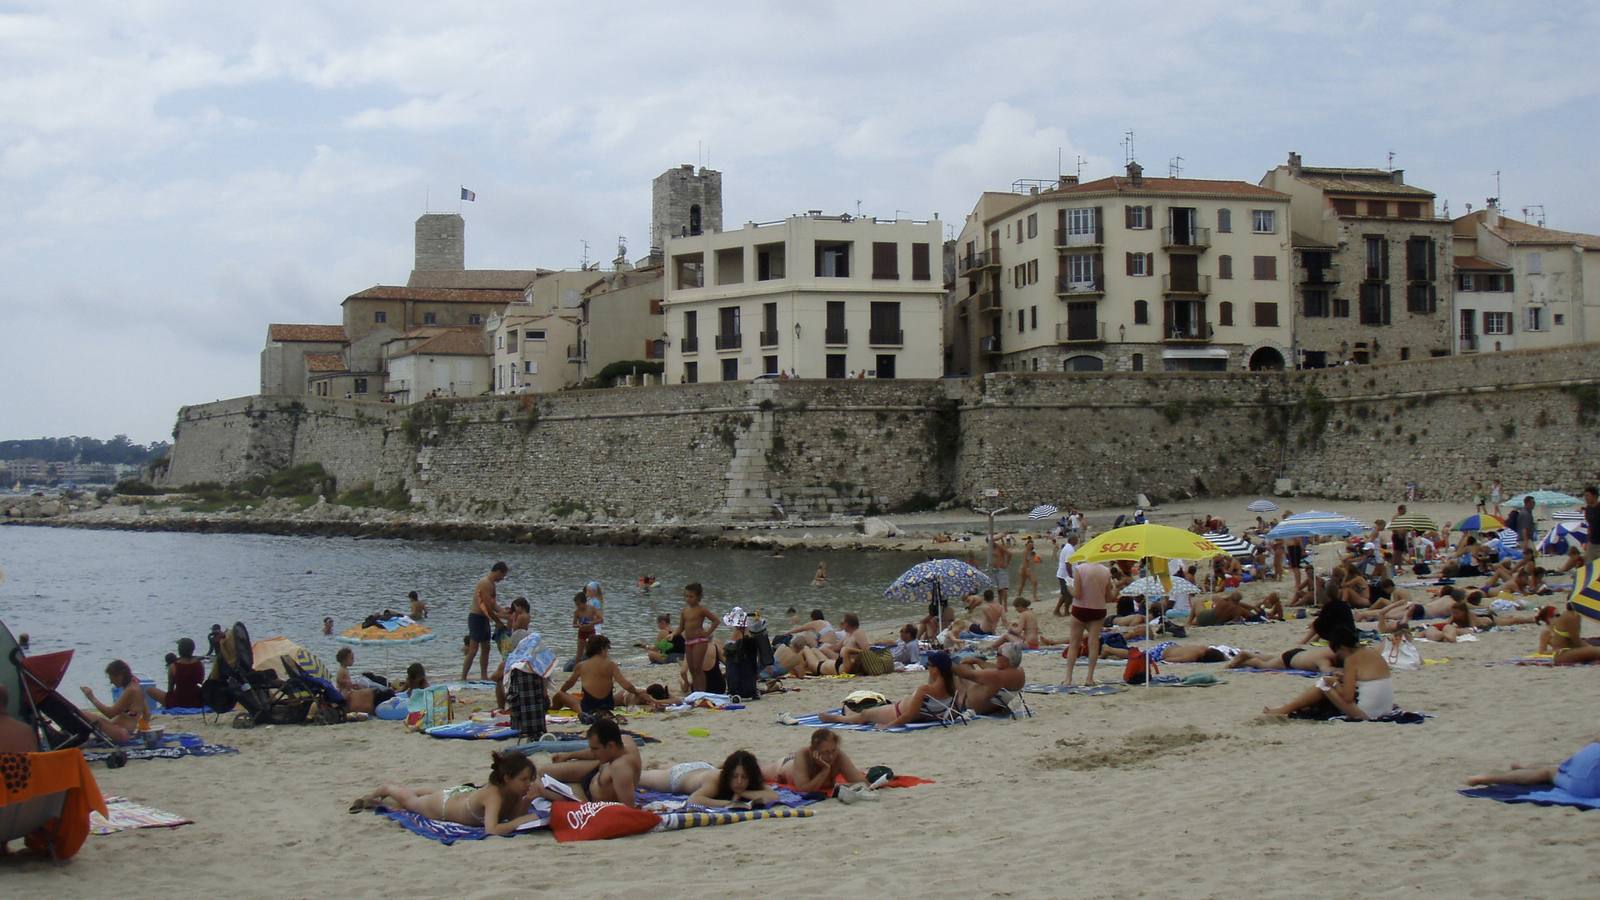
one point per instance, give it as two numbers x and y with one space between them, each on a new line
40 814
1014 701
945 712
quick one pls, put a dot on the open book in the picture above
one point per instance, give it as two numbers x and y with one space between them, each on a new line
557 787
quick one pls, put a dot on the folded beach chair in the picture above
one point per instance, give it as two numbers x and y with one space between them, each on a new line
1014 701
945 712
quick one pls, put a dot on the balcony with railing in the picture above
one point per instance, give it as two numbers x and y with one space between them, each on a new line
1081 333
1193 332
886 337
730 341
689 344
989 301
1185 239
1068 287
989 344
835 337
1321 275
769 338
981 260
1068 238
1185 284
574 353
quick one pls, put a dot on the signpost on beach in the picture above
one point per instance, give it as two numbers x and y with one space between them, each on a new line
990 494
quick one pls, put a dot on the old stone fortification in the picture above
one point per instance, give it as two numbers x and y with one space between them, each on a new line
1527 419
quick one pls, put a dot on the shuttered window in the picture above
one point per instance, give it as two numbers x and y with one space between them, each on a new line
885 260
1266 315
919 263
1266 268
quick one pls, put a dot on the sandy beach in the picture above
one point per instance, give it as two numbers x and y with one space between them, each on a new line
1155 791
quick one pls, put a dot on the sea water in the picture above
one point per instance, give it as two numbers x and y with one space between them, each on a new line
131 595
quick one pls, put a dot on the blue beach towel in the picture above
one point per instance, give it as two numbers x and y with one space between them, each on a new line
475 731
1098 690
449 832
1542 795
813 721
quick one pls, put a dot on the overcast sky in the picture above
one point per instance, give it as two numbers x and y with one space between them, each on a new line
177 175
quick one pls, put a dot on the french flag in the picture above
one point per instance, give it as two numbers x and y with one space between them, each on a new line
468 195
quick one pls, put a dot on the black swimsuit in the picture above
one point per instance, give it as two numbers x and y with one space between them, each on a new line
1289 655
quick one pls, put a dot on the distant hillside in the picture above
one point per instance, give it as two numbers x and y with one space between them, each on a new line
117 451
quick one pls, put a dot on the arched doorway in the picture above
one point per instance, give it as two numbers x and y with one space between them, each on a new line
1266 359
1083 364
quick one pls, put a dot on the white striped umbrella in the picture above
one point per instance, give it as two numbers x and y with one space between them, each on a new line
1235 546
1262 505
1568 515
1043 511
1150 586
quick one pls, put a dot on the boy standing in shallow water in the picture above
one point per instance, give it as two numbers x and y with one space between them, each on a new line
696 637
586 617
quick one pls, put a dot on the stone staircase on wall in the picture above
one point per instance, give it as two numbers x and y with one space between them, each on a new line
749 493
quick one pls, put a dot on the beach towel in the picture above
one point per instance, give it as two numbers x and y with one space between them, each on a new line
123 814
662 802
450 832
138 751
179 711
569 741
427 708
1098 690
1523 661
1541 794
1395 717
474 731
29 776
812 721
1301 672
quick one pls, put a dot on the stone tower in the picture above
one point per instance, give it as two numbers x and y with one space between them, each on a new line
441 242
683 201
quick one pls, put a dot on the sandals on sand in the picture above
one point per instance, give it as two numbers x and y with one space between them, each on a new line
363 804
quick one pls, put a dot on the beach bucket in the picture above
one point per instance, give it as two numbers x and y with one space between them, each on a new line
152 736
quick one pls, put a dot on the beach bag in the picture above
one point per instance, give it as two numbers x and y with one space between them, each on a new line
427 708
598 821
1401 654
1139 667
742 668
856 701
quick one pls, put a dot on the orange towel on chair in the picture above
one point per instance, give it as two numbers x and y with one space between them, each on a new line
24 776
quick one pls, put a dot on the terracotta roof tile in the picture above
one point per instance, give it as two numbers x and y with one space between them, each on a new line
1159 186
306 333
1524 233
324 362
456 343
1478 264
1304 242
437 295
474 279
1378 186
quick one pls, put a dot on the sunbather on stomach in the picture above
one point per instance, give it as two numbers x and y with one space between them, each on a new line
1306 659
499 808
925 704
817 766
739 780
1578 774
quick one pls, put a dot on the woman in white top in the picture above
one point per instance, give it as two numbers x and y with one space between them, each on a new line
1364 689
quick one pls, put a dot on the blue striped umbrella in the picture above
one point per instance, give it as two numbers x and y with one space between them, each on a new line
1586 594
1262 505
937 579
1562 538
1315 523
1546 498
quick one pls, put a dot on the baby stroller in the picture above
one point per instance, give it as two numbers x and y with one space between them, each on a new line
31 683
327 705
235 681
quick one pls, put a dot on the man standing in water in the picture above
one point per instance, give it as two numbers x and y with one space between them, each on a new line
696 637
485 613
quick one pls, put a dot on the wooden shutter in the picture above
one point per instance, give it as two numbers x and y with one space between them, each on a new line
1150 218
1127 219
1130 262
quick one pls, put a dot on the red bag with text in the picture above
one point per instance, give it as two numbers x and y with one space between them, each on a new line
598 821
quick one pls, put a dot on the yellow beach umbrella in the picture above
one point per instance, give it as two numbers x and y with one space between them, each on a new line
1139 541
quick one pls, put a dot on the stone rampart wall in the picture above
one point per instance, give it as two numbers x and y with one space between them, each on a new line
1527 419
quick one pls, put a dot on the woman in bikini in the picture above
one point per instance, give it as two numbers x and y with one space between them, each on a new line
1364 689
821 578
500 808
120 721
1306 659
738 781
599 675
1029 557
1566 640
926 703
817 766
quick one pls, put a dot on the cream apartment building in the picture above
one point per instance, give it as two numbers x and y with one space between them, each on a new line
533 352
1127 273
812 296
1519 285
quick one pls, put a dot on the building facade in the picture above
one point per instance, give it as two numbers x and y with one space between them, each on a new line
811 296
1519 285
622 319
283 369
532 351
1373 265
453 364
1125 274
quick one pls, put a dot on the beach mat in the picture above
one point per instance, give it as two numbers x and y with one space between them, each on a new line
449 832
674 821
569 741
179 711
1098 690
138 751
1541 795
1301 672
813 721
1397 717
125 815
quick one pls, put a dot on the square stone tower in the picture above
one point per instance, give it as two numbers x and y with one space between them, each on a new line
683 201
441 242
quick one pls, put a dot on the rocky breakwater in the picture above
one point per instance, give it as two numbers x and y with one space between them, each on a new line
41 505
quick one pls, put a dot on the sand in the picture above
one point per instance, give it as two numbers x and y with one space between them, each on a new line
1159 792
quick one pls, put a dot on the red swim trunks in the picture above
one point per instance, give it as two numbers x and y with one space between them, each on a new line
1087 615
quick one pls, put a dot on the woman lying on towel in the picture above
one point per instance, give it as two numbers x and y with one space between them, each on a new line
926 704
1363 689
738 781
817 766
1578 774
1306 659
500 808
